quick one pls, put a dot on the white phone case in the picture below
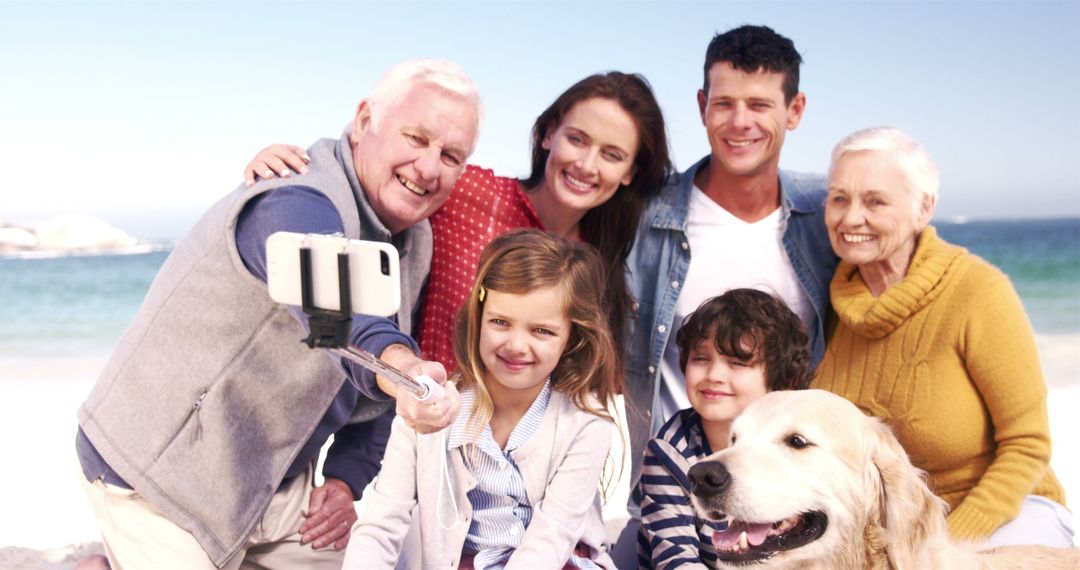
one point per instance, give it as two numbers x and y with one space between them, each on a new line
374 280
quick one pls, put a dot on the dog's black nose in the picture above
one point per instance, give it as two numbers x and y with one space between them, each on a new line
708 478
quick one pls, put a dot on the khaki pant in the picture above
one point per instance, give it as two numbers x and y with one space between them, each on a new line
137 536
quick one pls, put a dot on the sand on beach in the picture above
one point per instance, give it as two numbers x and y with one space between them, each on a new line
49 524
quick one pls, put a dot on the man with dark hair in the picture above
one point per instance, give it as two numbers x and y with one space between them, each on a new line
742 221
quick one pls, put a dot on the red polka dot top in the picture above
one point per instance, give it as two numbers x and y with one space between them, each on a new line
481 207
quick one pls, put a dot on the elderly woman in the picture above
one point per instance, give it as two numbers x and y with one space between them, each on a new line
934 340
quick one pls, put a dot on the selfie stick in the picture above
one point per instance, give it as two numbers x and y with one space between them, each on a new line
331 329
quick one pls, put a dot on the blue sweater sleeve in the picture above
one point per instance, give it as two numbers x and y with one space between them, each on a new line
357 452
305 210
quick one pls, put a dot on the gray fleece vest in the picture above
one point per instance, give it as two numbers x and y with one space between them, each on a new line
209 394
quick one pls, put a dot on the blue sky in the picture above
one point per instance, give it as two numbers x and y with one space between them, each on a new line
144 113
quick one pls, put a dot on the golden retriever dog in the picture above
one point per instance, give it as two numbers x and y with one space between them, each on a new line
809 481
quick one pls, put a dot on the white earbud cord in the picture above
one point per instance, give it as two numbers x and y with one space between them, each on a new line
445 484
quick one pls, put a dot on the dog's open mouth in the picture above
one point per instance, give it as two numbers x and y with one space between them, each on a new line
744 542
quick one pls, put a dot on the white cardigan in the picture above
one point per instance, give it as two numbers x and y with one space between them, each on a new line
561 466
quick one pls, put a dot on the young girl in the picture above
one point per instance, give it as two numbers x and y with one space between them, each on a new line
598 151
733 349
514 481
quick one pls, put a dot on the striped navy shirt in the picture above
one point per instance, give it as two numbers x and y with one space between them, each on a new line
671 535
501 509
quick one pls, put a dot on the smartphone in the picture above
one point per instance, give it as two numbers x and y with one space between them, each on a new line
374 274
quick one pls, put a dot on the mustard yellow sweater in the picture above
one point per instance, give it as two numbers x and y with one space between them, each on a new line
947 357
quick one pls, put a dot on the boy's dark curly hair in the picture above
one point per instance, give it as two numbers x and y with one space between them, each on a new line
751 325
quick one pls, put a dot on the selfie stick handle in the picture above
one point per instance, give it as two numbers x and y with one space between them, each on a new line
332 330
423 388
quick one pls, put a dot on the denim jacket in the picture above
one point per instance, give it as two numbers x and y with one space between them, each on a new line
657 267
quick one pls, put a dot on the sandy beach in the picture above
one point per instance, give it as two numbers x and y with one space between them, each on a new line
49 525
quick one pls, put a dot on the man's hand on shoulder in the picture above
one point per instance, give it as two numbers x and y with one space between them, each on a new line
424 417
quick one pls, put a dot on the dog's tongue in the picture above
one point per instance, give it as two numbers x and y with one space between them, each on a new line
755 534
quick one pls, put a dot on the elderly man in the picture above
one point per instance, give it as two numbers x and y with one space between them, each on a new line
199 440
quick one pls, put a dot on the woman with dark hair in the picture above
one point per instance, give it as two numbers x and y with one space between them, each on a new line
598 152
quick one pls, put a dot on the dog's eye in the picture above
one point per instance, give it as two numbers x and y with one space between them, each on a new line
732 440
796 441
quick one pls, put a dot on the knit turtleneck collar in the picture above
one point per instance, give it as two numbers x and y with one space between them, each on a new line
875 317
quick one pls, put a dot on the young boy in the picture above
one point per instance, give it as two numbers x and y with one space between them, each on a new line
733 349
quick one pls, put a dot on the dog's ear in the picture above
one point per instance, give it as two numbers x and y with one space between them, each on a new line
904 514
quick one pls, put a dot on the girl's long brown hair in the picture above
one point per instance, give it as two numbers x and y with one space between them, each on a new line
520 262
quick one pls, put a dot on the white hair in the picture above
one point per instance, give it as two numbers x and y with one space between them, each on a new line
395 84
918 168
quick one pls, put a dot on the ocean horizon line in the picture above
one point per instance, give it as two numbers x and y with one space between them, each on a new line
166 229
939 219
159 242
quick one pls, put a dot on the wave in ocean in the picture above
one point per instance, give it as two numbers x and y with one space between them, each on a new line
87 252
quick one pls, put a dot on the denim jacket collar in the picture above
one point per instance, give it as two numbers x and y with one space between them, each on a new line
674 202
800 192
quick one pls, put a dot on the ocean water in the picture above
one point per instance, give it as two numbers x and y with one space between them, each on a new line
78 306
1041 258
73 306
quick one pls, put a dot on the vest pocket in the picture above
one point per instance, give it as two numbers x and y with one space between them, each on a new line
192 420
196 433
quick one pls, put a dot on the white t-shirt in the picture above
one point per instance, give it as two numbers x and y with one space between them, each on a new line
726 253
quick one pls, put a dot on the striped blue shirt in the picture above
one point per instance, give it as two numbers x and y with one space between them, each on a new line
671 535
501 509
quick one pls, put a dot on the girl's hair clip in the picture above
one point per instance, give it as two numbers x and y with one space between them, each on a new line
481 294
